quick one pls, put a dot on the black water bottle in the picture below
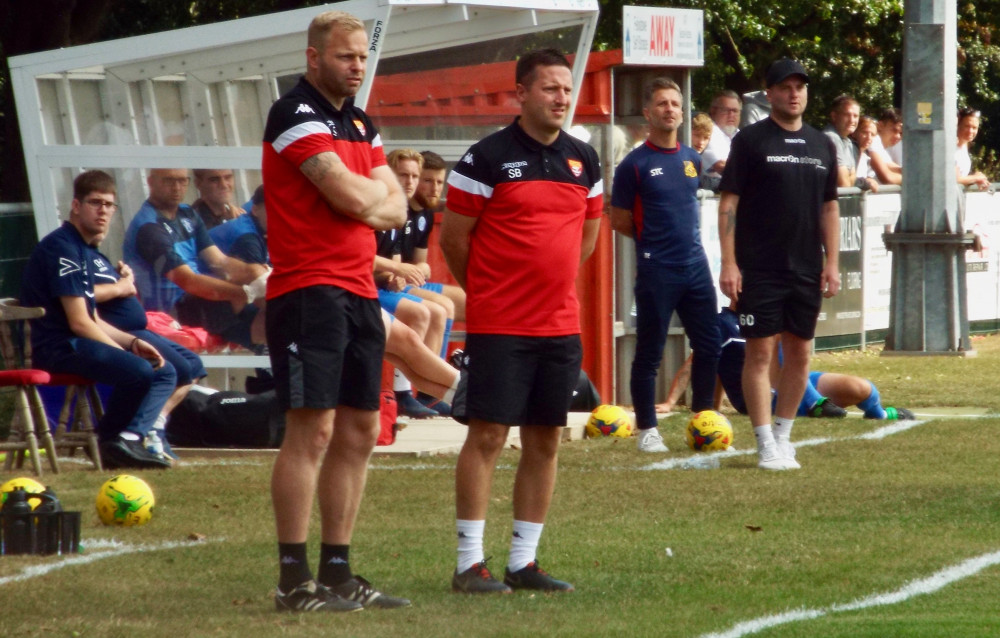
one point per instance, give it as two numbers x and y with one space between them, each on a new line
46 518
16 515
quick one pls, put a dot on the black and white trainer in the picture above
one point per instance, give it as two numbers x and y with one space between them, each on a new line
311 596
359 590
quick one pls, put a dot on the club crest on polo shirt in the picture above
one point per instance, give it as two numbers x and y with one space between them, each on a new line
188 226
421 223
332 126
575 167
689 169
358 124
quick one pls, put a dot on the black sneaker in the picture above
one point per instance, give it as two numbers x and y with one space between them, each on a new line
121 453
478 580
409 406
827 409
534 577
459 407
900 414
457 359
360 590
311 596
434 403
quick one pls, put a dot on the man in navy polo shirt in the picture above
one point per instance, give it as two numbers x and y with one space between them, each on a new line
655 202
72 337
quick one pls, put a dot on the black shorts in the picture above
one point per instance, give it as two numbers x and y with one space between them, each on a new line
326 347
217 317
773 302
521 380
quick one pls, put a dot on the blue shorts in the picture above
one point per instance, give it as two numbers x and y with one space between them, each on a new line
389 300
432 286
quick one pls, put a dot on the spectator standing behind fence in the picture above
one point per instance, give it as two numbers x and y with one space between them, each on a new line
778 215
890 132
725 113
326 187
889 143
844 116
654 201
524 211
968 128
872 166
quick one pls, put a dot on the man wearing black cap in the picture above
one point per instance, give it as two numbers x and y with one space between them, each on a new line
778 218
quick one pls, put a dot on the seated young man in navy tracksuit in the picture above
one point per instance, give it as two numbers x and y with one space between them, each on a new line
72 337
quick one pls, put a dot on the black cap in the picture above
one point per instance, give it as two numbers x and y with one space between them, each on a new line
258 196
781 69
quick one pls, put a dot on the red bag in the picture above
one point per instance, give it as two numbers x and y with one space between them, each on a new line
195 339
387 418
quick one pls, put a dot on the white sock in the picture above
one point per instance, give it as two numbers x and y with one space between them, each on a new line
400 383
782 428
523 544
160 423
449 394
765 436
470 543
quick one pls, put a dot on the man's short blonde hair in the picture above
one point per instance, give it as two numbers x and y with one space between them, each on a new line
325 22
400 154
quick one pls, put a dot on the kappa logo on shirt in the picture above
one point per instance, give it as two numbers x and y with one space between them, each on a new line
467 158
304 108
358 124
689 169
68 266
575 167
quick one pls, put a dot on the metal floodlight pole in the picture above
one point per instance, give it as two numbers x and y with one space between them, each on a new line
927 309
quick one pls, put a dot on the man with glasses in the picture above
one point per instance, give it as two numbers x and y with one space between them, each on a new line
725 113
179 270
72 338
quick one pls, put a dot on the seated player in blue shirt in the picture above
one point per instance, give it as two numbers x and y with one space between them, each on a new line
73 338
179 270
114 290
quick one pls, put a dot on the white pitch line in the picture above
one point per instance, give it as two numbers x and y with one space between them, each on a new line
704 460
109 549
929 585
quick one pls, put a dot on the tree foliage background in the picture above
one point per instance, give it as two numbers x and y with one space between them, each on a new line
849 46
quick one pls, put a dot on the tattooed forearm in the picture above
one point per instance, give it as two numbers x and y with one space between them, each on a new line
319 166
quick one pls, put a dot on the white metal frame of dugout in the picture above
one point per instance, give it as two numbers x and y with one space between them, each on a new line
198 97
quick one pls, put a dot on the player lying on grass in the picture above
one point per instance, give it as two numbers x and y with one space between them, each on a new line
825 393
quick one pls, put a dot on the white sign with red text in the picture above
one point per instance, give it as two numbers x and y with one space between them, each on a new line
663 36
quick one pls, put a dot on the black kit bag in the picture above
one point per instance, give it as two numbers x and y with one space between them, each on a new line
227 419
